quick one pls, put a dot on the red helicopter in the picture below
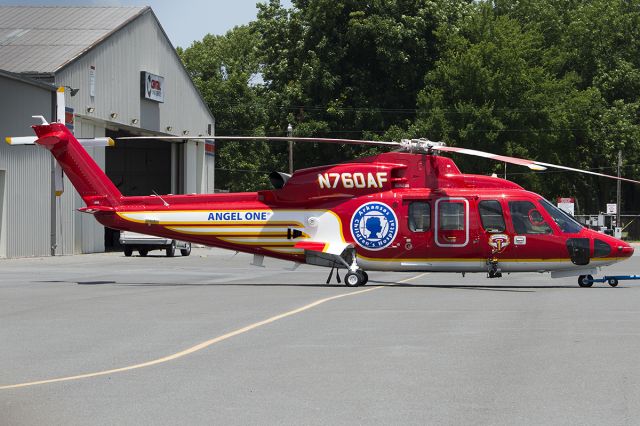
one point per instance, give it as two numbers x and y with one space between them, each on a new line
407 210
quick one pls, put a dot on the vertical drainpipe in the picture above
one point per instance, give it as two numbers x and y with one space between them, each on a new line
54 222
56 176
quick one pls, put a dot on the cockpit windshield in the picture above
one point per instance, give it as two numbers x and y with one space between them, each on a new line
564 221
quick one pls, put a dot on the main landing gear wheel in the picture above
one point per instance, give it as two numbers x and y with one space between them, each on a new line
353 279
585 280
171 250
186 251
365 277
612 282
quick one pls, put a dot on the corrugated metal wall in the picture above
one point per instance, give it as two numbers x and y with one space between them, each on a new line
89 237
25 214
118 61
65 228
27 205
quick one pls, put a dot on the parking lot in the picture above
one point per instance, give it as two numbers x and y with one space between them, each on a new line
209 339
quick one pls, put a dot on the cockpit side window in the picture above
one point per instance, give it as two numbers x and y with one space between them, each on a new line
565 222
491 216
527 219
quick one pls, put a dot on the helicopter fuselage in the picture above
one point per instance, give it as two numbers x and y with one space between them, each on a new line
395 211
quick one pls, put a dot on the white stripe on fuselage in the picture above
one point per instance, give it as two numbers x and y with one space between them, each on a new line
476 265
248 226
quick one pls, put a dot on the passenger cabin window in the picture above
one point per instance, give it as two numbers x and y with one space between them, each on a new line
491 216
451 216
527 219
419 216
452 222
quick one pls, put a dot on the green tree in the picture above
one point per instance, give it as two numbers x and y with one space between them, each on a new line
552 80
347 68
500 86
226 71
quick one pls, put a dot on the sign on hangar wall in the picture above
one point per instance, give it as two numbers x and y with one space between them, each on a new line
152 86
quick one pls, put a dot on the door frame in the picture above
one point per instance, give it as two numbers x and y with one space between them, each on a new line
437 221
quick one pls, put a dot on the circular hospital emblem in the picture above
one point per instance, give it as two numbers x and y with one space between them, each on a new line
374 226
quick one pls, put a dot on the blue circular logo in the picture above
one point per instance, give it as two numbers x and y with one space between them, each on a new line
374 226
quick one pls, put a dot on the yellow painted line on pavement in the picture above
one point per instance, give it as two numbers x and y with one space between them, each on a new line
199 346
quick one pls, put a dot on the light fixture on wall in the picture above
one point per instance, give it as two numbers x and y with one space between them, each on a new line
91 110
134 121
185 132
114 115
169 128
72 91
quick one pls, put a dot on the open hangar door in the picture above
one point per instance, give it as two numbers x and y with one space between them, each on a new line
140 167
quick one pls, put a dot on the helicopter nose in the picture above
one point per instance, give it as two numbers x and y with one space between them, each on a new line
623 249
608 246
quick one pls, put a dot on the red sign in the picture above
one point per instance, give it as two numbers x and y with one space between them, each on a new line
209 147
68 118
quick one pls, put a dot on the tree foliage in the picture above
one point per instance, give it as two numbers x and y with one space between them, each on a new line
553 80
225 70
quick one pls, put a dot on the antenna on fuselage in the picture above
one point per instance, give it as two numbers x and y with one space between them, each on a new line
162 199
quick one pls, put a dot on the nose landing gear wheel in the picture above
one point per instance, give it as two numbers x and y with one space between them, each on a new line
585 281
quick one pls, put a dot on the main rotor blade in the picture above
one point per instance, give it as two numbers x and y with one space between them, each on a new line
268 138
414 145
587 172
533 165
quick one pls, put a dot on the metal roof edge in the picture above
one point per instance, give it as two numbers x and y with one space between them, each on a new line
22 78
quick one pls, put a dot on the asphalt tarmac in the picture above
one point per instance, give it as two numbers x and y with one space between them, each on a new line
208 339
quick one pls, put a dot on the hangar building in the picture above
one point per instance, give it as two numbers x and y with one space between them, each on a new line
129 81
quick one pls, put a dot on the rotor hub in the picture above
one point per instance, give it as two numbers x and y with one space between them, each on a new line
421 145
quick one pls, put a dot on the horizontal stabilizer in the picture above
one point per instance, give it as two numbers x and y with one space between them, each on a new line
21 140
95 142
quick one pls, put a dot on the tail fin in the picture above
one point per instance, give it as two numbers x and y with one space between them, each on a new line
93 185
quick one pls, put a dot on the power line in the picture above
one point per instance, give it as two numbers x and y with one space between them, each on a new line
242 170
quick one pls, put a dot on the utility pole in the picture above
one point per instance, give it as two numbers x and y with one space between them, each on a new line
290 134
619 190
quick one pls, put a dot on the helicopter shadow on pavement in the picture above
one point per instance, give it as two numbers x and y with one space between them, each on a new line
372 283
513 288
